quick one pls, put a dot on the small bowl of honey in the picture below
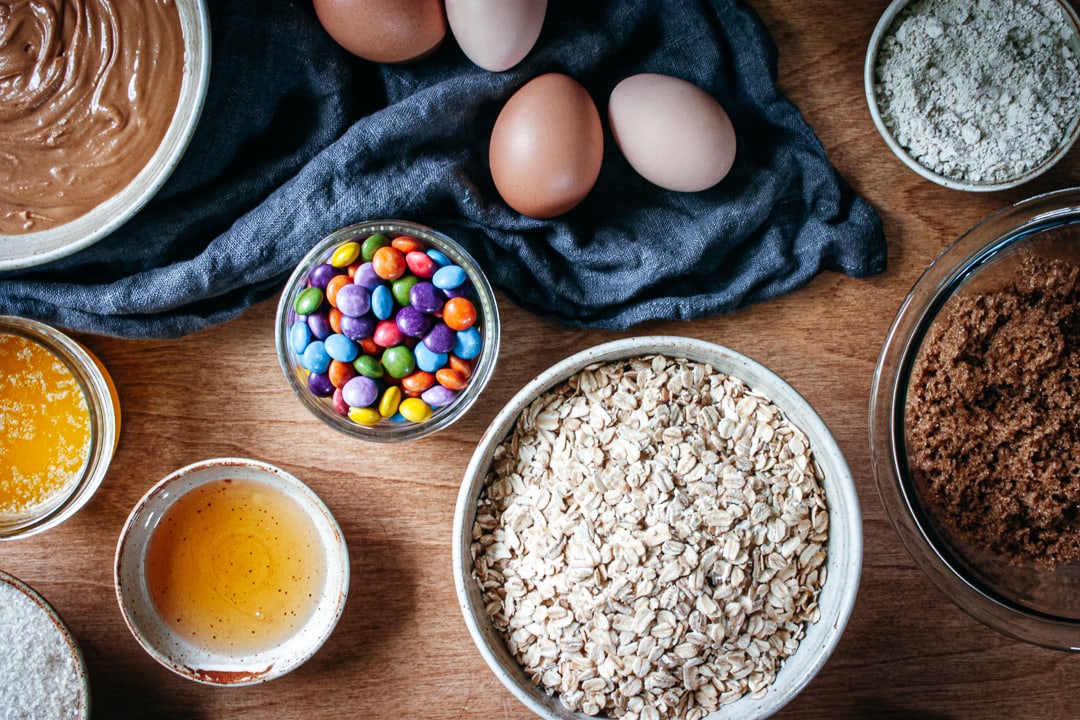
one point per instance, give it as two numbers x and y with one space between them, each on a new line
231 572
61 419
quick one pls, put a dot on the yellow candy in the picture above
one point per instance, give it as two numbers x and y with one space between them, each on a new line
415 409
364 416
345 255
390 400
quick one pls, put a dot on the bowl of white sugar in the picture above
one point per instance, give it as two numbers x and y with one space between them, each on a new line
42 671
657 527
976 96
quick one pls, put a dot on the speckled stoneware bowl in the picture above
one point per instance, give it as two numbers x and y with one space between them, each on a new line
36 248
214 667
844 547
881 31
81 677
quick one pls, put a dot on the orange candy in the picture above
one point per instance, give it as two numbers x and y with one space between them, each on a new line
334 318
368 346
388 263
462 367
459 313
451 379
407 244
340 373
336 283
417 382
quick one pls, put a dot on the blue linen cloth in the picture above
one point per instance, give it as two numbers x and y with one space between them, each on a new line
298 138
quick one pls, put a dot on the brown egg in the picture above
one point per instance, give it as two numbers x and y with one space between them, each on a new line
546 146
384 31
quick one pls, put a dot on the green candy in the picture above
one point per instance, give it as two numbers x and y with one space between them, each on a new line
368 366
400 288
308 300
398 361
371 244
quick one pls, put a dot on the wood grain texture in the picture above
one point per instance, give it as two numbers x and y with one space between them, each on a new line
402 649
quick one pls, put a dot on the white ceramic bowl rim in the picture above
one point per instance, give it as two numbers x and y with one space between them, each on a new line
882 29
205 666
36 248
844 560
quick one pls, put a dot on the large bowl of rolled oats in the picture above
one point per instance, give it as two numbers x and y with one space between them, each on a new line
657 527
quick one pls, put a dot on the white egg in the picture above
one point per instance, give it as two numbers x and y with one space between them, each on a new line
673 133
496 34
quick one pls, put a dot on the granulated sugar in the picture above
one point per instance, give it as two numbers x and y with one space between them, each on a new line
979 91
38 674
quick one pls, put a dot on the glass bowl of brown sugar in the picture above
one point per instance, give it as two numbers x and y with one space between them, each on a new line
975 421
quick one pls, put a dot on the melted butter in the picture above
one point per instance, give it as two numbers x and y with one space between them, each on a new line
235 566
88 89
44 427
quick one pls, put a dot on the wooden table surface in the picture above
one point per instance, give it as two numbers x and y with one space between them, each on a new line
401 649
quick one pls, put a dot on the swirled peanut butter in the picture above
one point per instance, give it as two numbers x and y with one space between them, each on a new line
88 89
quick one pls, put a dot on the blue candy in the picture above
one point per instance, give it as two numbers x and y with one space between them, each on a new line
467 343
341 348
382 302
428 360
448 277
439 257
299 336
315 359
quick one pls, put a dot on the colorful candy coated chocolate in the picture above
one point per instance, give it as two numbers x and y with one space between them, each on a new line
387 329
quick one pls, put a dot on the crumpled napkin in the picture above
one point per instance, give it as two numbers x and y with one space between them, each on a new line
299 138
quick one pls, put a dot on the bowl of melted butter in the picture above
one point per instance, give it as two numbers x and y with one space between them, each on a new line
231 572
98 102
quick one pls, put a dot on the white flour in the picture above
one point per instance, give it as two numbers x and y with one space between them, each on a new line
979 91
38 676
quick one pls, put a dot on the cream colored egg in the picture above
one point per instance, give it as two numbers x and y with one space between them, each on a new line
673 133
496 34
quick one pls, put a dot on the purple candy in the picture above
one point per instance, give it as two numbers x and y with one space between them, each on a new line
465 289
320 325
425 297
357 328
438 396
319 384
320 275
361 391
412 322
366 278
440 338
353 300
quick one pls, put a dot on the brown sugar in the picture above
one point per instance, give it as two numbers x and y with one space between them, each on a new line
994 415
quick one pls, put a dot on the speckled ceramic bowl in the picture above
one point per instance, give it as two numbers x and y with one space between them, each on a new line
196 662
62 672
844 551
36 248
870 82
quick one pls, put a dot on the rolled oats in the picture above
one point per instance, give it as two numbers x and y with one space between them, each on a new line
651 539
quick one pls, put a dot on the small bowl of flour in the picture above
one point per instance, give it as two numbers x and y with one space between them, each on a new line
42 671
977 96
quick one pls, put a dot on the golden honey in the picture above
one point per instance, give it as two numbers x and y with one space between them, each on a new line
45 427
235 566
